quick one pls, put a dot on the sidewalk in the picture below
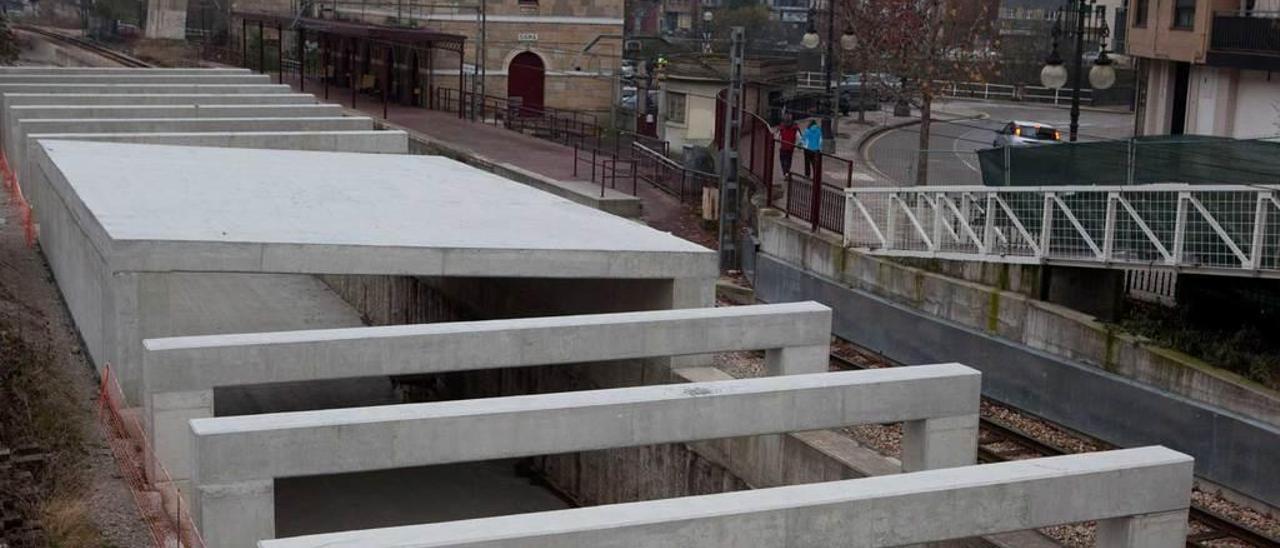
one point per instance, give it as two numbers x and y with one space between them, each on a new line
551 160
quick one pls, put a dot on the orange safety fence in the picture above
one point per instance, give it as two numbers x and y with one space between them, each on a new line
159 500
15 194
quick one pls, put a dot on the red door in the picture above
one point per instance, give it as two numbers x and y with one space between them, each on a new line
525 79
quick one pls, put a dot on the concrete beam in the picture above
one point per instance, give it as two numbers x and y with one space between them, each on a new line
1140 497
144 88
236 78
372 142
119 70
180 373
20 130
29 99
14 116
233 454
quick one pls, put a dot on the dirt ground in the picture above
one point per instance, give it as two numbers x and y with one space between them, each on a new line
85 501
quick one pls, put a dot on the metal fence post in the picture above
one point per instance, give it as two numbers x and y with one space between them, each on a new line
575 160
816 202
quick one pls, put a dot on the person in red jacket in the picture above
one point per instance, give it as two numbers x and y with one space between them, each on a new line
788 132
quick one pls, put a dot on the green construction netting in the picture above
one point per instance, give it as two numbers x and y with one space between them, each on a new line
1142 160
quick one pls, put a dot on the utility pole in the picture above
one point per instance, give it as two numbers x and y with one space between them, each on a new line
730 199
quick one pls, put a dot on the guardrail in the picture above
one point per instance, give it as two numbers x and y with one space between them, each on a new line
655 168
1216 229
984 90
567 127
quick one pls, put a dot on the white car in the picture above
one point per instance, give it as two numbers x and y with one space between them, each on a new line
1020 134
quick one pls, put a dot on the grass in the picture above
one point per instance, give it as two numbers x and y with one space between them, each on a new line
38 406
1243 349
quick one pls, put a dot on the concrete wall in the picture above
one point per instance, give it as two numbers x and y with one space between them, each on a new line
1139 496
167 19
241 454
1036 356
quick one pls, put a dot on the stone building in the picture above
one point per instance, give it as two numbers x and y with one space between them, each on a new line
549 53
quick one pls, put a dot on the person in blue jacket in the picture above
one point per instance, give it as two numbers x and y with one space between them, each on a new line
811 141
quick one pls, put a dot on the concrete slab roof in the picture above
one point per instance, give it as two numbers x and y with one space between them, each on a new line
207 209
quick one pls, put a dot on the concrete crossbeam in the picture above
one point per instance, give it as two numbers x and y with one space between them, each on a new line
14 116
237 457
22 146
180 373
119 70
1140 497
372 142
144 88
27 99
146 78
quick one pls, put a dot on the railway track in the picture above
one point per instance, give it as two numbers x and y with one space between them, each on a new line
88 45
1000 442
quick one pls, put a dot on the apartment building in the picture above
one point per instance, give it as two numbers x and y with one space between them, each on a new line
1210 67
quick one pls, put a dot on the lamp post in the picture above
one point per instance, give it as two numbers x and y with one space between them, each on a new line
707 17
848 41
1101 76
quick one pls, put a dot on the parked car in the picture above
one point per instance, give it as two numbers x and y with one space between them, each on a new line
1020 134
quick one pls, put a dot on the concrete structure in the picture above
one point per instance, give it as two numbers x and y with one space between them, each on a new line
372 142
1034 355
167 19
27 129
28 99
27 70
237 459
1207 67
180 374
15 116
116 237
1140 498
234 78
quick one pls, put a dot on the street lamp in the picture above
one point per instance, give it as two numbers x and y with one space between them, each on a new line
848 41
707 16
1101 76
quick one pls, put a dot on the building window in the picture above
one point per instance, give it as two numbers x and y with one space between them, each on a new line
1140 13
1184 14
675 107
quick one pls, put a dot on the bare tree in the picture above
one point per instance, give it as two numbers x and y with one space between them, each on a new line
925 43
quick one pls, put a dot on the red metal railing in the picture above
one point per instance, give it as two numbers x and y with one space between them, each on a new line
567 127
657 169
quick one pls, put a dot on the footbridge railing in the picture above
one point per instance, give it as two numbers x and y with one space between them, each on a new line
1214 229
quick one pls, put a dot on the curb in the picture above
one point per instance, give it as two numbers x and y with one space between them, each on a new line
864 142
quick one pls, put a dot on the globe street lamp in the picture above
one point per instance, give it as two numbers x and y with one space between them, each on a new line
707 16
1101 76
848 41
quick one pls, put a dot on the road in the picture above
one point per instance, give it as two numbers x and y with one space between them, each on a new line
953 145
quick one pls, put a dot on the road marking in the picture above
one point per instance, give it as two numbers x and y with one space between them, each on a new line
955 149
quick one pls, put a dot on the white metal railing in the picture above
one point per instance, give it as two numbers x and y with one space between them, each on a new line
1217 229
811 80
1006 92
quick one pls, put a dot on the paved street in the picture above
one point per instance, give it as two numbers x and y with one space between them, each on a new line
953 145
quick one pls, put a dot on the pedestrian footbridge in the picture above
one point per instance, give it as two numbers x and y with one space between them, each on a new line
1207 229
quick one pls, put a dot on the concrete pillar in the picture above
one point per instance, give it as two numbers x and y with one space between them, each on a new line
939 443
167 425
797 360
1145 531
685 293
167 19
241 513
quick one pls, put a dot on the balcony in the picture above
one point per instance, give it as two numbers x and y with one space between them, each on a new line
1245 39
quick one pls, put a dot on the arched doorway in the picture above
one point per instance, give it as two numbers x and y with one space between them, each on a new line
526 78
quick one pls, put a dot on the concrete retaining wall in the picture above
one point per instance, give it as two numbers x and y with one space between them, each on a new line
913 316
1052 328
